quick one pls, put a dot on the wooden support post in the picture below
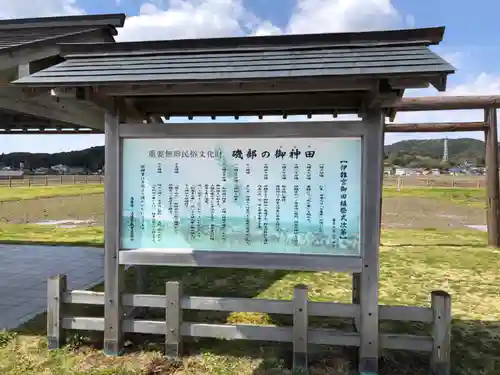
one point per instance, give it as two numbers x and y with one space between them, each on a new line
56 286
173 316
492 180
441 333
113 271
300 327
370 240
356 289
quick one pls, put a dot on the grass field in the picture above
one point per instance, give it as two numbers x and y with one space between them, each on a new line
415 259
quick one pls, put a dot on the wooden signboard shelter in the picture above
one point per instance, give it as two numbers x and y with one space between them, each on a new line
139 84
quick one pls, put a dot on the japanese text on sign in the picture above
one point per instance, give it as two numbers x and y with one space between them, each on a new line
290 195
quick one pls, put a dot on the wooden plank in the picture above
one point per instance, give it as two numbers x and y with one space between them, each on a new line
229 259
245 60
307 51
237 305
441 333
83 297
284 85
267 306
436 127
373 150
109 76
445 103
173 316
289 129
406 342
209 67
56 287
492 178
113 271
300 327
317 336
406 313
159 47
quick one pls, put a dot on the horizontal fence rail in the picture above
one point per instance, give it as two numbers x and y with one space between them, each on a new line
49 180
389 181
300 334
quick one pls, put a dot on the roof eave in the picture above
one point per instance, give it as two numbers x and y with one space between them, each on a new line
425 36
98 20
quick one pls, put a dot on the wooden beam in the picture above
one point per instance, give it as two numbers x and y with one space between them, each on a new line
113 271
14 131
492 179
445 103
286 85
255 104
436 127
52 108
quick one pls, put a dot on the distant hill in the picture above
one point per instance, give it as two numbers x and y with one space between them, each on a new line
91 158
429 152
413 152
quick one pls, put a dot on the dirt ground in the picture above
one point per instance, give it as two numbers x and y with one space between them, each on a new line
398 212
419 213
83 207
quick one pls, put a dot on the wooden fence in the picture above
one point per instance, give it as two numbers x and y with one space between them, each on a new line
389 181
435 181
300 334
51 180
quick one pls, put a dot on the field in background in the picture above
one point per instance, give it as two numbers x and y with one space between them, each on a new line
425 246
390 181
50 180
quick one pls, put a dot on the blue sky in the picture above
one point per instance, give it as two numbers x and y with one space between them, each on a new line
471 40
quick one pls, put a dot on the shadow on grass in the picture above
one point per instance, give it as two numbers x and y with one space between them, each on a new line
209 282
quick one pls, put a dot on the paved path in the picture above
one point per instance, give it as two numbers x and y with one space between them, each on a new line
24 271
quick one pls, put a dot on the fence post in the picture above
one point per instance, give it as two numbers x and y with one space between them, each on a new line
173 316
60 179
10 181
74 179
56 286
441 332
356 289
46 180
300 326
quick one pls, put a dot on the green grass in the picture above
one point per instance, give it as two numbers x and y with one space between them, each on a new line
413 263
50 235
23 193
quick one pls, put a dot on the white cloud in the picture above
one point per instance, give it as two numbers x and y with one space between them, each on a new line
267 28
173 19
38 8
316 16
190 19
